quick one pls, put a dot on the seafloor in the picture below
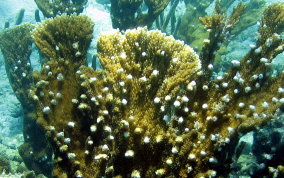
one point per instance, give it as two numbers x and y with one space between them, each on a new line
11 114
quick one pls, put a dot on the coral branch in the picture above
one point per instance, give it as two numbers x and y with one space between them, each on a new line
52 8
123 13
16 46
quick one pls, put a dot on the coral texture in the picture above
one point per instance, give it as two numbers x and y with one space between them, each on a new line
192 31
16 46
154 109
52 8
123 12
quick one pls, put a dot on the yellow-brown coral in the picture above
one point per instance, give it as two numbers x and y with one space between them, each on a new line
59 7
151 111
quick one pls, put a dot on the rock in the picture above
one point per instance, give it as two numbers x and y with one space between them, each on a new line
4 165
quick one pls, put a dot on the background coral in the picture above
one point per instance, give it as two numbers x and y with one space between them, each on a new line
127 14
59 7
192 31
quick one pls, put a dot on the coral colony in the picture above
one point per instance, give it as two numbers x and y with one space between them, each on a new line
154 110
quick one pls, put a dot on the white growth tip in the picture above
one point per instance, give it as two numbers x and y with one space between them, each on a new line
176 103
129 154
46 110
71 124
235 63
157 100
124 101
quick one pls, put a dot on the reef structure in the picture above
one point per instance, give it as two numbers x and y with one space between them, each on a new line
192 31
52 8
16 46
127 14
154 109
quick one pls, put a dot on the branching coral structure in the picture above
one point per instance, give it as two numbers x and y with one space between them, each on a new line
153 110
125 14
52 8
16 46
192 31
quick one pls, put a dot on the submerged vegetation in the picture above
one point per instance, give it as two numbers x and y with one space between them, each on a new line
154 109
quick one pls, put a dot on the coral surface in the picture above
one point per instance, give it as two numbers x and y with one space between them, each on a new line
52 8
127 14
16 46
154 109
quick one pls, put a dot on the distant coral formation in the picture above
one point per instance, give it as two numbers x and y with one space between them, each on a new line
192 31
127 14
52 8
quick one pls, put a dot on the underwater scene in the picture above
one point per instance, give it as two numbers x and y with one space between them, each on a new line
141 88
